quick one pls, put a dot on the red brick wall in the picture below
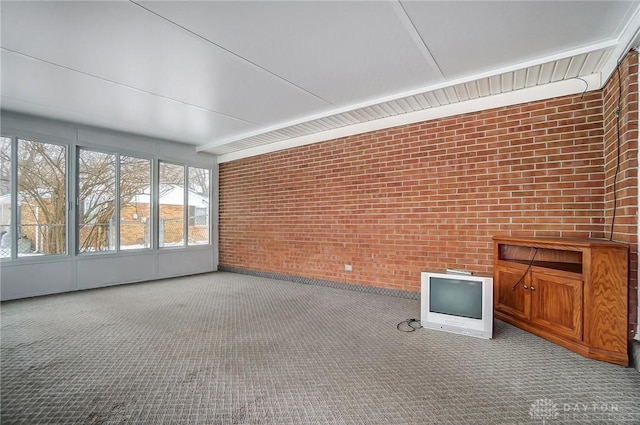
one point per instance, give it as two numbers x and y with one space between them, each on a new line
623 158
423 196
427 196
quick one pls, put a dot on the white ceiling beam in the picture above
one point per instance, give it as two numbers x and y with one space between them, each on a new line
512 68
560 88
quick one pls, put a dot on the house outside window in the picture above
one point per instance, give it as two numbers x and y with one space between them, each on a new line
135 203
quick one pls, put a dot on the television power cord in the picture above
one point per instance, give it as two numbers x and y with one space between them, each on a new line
527 270
408 325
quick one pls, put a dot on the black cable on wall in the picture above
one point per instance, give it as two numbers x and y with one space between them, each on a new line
617 170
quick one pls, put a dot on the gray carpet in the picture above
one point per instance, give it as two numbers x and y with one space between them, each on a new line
225 348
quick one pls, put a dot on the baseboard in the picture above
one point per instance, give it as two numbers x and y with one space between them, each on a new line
329 283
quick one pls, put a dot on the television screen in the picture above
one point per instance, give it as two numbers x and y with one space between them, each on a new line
456 303
456 297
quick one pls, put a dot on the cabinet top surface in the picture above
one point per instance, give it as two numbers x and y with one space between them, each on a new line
581 242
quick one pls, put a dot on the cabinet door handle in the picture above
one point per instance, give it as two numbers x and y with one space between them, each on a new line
525 287
533 289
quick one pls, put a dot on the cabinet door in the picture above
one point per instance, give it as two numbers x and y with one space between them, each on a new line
507 300
556 304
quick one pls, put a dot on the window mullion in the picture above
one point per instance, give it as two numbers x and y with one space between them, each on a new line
185 214
155 202
75 170
116 209
13 228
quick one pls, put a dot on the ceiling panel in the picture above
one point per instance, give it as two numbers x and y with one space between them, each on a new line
124 43
228 76
343 52
33 86
511 32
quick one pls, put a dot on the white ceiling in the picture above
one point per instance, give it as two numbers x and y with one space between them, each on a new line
236 78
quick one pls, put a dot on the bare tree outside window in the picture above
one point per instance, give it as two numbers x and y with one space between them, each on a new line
42 205
135 203
171 205
96 195
5 197
198 201
42 198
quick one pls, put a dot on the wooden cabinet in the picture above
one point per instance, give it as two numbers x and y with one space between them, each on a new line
572 292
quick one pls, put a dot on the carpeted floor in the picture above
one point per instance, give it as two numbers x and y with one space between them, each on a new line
226 348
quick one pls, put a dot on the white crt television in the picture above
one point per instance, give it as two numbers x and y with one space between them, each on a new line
457 303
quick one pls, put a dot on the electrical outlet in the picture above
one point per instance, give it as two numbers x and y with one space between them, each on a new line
348 267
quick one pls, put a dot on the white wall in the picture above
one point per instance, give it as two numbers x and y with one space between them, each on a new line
42 275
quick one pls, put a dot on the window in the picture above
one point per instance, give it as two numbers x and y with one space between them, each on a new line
5 197
41 227
96 195
198 201
120 204
171 205
135 203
